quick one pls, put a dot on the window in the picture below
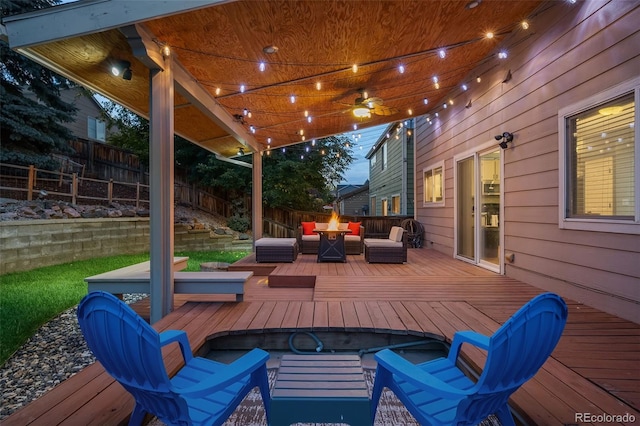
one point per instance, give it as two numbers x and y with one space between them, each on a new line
96 129
434 185
599 162
395 204
384 156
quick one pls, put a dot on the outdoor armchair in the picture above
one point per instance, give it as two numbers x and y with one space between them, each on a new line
203 392
437 392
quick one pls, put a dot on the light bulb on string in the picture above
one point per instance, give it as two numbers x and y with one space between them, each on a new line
262 66
354 68
218 90
401 69
442 53
242 88
318 85
292 98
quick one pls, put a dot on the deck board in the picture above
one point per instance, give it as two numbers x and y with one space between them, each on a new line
593 369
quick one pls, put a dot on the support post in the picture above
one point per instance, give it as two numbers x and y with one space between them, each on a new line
161 162
256 199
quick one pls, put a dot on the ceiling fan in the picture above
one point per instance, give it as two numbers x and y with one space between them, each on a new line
364 106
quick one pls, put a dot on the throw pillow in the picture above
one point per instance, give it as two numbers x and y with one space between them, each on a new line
308 227
355 227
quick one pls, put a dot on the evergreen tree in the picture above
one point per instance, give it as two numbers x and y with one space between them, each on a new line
30 126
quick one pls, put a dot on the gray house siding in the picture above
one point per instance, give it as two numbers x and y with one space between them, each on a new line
395 178
576 51
87 107
355 202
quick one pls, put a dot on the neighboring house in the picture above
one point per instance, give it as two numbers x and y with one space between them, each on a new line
89 124
355 202
391 171
559 207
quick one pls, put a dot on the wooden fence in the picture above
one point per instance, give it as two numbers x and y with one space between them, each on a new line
28 183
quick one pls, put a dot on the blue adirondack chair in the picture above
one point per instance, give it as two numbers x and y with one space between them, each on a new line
203 392
438 393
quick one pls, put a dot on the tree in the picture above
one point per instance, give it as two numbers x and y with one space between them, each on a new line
132 130
304 176
31 126
301 177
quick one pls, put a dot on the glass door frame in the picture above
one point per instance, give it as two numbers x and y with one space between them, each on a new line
475 154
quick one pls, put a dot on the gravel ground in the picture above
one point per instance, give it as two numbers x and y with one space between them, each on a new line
56 352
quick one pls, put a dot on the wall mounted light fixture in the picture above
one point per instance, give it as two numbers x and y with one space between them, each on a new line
122 68
240 151
504 139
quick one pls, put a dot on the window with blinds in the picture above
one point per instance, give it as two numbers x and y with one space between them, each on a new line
434 185
601 176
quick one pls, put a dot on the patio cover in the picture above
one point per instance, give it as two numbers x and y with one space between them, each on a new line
202 69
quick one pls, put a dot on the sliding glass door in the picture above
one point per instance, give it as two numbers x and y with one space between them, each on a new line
478 200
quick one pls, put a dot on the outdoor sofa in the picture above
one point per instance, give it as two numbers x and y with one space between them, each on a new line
308 241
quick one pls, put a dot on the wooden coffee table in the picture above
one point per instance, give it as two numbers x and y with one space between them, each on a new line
320 389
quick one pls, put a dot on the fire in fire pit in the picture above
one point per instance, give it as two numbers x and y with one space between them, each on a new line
333 222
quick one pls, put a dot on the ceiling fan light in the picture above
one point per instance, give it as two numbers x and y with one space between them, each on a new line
362 112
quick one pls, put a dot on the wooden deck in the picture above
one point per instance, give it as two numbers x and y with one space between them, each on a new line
595 368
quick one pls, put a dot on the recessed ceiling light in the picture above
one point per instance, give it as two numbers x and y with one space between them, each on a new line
270 49
473 4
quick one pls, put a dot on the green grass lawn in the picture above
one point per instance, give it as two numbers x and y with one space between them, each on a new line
30 299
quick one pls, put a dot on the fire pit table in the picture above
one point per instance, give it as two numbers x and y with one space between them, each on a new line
331 248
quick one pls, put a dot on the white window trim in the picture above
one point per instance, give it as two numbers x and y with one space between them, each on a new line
426 203
399 204
599 225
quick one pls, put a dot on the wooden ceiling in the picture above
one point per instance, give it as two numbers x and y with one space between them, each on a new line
318 42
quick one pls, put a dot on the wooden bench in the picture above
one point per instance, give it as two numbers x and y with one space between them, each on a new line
136 279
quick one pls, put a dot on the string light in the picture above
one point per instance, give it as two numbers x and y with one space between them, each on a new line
268 141
441 52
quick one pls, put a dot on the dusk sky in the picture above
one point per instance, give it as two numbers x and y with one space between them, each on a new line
358 173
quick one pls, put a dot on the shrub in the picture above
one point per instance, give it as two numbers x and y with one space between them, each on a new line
238 223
